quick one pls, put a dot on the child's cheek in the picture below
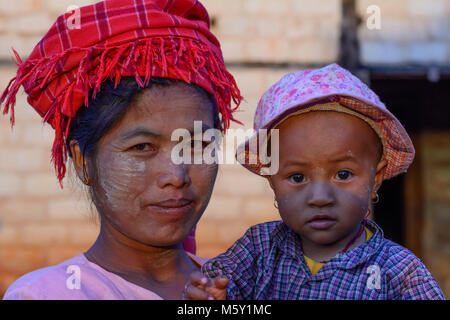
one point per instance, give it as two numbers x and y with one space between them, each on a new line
291 205
353 203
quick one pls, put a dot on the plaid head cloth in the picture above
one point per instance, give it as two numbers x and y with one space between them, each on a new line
115 38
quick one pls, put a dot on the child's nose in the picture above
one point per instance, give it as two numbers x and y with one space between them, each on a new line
320 195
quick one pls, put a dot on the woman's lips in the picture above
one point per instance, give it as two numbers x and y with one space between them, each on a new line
321 222
173 207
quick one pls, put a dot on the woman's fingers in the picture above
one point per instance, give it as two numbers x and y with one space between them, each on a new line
221 282
218 288
195 289
196 293
202 288
198 279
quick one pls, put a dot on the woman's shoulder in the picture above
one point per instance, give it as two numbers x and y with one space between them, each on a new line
76 279
50 282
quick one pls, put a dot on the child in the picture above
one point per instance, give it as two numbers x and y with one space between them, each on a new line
337 143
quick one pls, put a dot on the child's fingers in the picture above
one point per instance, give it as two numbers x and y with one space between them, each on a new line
195 293
198 279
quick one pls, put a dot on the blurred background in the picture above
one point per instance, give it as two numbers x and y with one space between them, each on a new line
401 48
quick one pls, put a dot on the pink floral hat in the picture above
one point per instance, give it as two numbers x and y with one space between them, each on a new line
327 88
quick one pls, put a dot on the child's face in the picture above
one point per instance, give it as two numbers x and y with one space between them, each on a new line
329 168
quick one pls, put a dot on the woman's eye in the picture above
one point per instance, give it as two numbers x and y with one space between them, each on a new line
297 178
343 175
199 144
142 147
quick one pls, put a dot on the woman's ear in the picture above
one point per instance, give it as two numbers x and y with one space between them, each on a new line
381 169
80 162
269 178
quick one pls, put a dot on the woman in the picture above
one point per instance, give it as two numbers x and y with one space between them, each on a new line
114 90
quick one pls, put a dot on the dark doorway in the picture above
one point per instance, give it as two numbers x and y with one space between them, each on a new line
420 105
389 211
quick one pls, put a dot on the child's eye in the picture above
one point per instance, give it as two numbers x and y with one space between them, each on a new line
343 175
297 178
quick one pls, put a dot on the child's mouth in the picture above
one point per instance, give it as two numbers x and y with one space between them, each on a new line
321 222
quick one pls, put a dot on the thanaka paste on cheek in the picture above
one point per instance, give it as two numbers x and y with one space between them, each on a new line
120 177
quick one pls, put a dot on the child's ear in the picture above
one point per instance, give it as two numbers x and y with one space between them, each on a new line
79 162
381 169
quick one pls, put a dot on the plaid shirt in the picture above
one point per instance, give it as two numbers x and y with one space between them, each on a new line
267 263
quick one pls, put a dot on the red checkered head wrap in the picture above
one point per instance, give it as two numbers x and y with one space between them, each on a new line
115 38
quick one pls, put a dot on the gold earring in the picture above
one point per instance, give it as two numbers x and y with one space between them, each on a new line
275 203
87 180
377 198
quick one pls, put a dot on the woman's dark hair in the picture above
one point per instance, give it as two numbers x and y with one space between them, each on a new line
109 107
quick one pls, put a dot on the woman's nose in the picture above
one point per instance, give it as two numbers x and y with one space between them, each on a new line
174 175
320 195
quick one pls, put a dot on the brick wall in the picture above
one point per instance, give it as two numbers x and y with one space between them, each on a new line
412 32
40 224
295 31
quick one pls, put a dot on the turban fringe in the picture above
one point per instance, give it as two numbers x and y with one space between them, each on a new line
138 38
171 57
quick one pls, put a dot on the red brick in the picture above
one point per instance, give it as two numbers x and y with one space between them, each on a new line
51 233
57 254
18 210
20 259
6 279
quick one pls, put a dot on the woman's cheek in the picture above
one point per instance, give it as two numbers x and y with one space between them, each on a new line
203 178
121 179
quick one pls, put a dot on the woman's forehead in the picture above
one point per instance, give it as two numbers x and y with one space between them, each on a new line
164 109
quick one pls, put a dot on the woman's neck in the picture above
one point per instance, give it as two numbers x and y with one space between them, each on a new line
325 252
154 268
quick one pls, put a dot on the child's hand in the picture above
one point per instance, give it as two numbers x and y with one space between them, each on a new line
202 288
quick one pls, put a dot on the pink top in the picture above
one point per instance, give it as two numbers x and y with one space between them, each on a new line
79 279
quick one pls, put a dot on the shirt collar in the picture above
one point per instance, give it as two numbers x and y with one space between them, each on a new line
289 242
363 252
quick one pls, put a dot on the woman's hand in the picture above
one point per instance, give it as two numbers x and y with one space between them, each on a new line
202 288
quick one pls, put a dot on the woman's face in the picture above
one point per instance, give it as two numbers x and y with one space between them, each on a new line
137 188
329 169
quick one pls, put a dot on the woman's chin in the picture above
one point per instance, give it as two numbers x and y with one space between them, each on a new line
165 240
